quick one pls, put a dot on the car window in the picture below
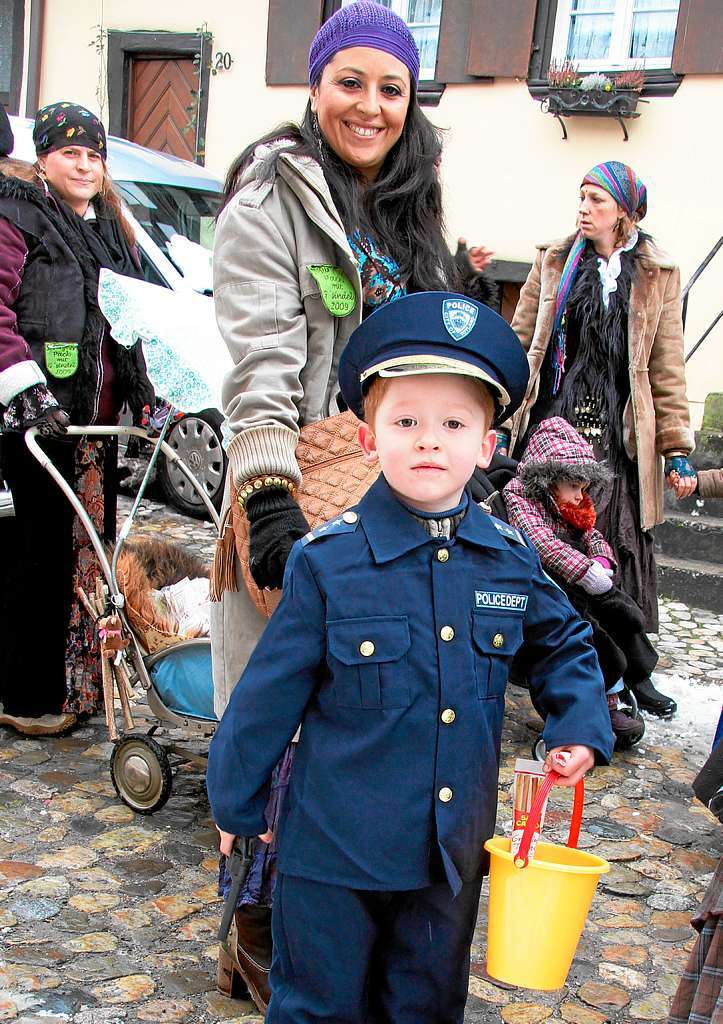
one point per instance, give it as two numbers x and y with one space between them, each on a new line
168 210
149 271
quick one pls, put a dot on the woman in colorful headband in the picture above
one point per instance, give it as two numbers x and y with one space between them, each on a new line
600 318
60 222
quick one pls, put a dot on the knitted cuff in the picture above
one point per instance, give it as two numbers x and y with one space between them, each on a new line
260 451
596 580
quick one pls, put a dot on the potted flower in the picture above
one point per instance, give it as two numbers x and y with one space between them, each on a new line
614 95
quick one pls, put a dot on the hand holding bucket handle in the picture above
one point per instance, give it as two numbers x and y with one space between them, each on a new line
533 818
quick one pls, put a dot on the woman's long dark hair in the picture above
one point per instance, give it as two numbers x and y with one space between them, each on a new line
401 210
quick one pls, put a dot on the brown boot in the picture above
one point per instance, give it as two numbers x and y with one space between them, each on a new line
44 725
244 959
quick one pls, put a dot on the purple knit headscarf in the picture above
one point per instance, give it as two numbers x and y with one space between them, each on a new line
363 24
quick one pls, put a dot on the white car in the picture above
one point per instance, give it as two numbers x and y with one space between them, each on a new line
171 203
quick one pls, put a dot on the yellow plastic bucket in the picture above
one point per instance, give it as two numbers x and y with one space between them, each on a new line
537 911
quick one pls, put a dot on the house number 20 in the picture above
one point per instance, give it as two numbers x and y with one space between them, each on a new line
223 61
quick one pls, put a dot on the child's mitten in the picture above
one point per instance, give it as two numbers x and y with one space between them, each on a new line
596 580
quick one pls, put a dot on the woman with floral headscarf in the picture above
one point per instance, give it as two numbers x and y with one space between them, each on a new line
599 316
60 222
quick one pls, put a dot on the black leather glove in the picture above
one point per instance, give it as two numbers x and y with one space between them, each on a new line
276 522
53 423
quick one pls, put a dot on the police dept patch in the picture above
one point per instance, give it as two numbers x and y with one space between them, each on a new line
459 317
490 599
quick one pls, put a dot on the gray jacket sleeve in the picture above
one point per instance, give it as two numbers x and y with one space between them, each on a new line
261 317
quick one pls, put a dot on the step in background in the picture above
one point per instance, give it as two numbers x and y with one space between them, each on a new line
696 537
695 583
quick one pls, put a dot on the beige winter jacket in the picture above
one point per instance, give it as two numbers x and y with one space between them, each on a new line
284 343
710 483
285 347
656 418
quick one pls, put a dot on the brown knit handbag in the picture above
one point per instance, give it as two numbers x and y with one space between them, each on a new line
334 477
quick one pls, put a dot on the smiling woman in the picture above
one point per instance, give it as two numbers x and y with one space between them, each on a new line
59 224
76 174
361 103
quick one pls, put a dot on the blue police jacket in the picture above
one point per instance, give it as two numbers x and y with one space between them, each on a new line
392 650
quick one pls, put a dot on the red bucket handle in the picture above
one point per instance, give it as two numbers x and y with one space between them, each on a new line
533 818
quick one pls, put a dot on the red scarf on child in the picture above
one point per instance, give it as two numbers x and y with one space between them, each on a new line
581 516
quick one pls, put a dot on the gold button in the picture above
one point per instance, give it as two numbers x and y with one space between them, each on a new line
445 794
349 517
447 633
367 648
448 716
498 640
443 555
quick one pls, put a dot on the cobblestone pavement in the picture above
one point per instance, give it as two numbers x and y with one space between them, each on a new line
109 916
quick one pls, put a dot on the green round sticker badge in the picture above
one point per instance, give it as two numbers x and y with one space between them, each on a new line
61 358
337 291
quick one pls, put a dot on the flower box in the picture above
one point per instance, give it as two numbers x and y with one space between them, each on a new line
566 102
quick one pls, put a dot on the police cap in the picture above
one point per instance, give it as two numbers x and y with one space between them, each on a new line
435 332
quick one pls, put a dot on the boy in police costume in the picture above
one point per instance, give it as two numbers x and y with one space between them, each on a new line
391 647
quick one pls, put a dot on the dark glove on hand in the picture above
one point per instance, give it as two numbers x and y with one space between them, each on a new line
276 522
53 423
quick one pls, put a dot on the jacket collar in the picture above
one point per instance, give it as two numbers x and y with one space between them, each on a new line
647 252
391 531
305 178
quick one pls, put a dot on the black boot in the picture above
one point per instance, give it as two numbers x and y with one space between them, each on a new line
244 960
652 700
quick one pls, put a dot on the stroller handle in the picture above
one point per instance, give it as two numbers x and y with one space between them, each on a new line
103 431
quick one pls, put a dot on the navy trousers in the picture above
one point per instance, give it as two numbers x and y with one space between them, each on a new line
350 956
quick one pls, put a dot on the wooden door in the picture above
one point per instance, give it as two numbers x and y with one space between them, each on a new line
163 104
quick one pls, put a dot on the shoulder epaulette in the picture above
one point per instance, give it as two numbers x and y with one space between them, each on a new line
511 532
347 522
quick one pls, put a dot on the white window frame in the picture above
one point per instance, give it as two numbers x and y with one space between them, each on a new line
617 59
426 74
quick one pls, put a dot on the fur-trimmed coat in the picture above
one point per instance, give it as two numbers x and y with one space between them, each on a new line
49 295
656 418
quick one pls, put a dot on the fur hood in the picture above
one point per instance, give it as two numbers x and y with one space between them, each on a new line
557 453
21 169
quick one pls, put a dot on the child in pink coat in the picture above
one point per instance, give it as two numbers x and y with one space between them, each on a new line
549 499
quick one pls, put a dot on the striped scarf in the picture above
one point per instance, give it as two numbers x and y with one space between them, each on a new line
628 191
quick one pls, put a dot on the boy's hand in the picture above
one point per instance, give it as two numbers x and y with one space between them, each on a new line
569 762
226 840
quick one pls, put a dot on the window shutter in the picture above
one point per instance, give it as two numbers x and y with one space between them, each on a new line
292 26
454 33
698 46
500 38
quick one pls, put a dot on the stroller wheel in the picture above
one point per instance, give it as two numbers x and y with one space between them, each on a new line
141 773
539 750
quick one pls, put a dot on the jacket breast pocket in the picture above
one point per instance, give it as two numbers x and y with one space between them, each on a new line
497 636
369 661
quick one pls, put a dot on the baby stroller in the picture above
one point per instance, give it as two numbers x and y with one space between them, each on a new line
173 669
486 488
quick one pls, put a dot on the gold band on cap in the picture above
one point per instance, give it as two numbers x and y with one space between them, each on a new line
410 366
